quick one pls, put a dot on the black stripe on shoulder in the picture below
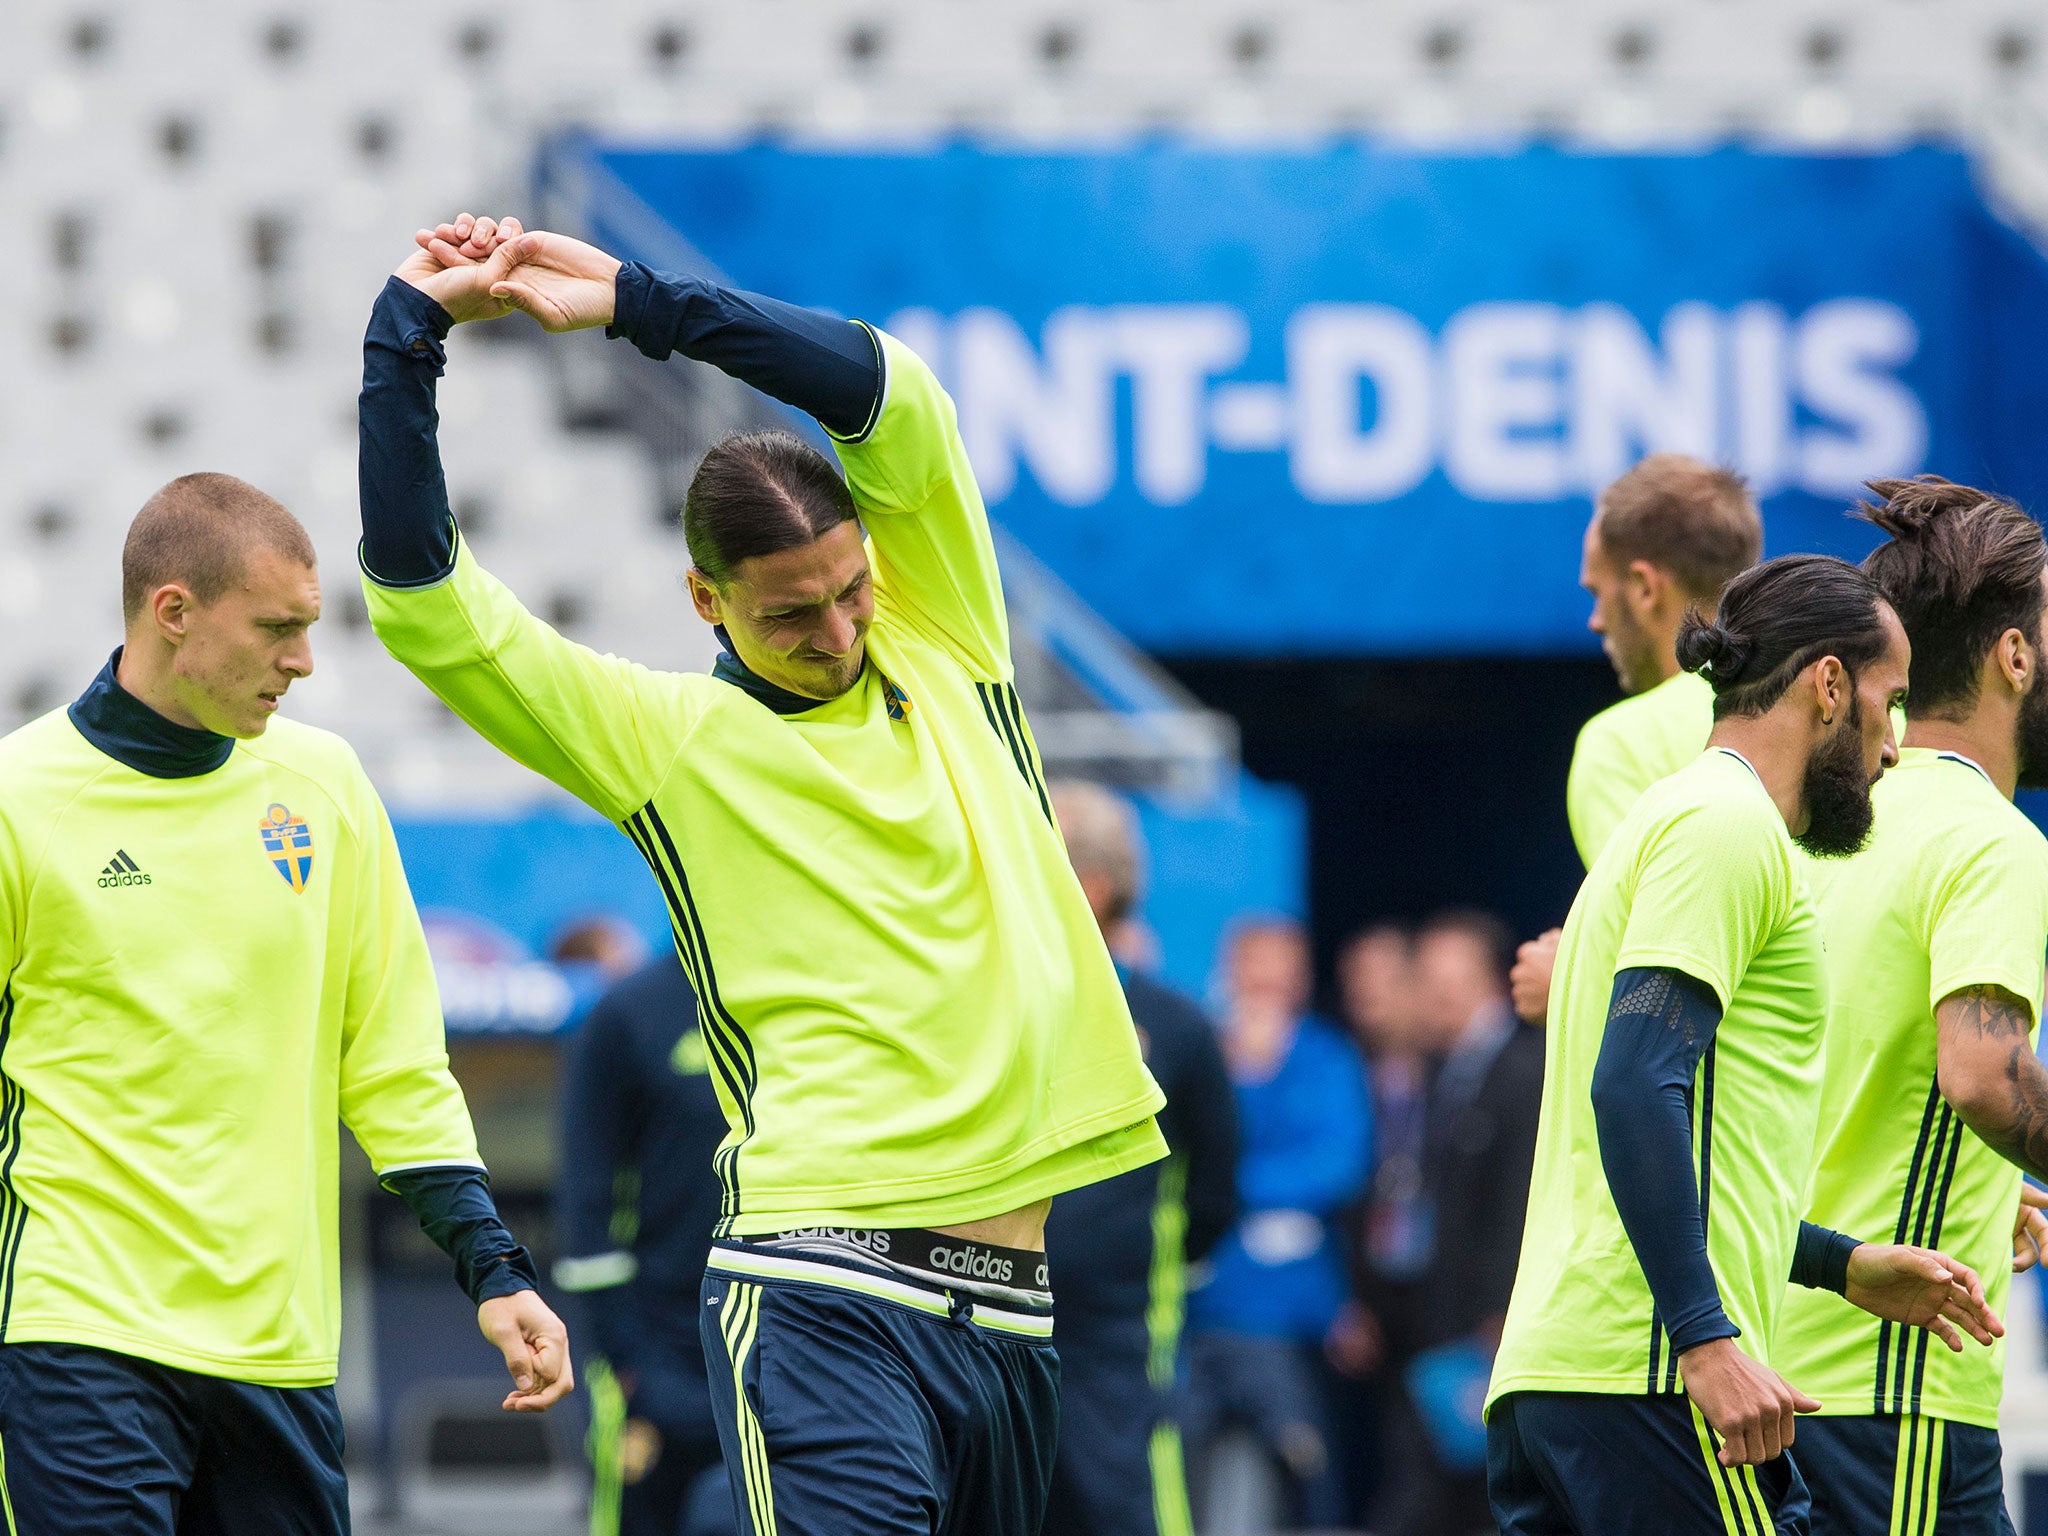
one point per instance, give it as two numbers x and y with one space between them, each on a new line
731 1052
1033 769
996 706
13 1209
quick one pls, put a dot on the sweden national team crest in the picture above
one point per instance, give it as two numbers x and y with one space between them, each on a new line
289 842
896 699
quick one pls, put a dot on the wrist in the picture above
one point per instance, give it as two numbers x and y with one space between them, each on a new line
1709 1349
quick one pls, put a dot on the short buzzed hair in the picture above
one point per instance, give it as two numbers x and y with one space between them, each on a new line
1688 518
1102 837
198 531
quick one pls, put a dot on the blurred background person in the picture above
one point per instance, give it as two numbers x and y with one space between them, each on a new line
1257 1326
607 943
1478 1147
1665 537
635 1205
1387 1230
1121 1249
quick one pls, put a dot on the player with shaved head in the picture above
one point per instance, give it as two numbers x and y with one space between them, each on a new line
208 956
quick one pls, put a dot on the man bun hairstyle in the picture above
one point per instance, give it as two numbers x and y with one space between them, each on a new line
198 532
1962 567
1688 518
759 493
1776 620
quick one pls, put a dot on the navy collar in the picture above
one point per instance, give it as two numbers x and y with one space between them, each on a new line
130 732
729 668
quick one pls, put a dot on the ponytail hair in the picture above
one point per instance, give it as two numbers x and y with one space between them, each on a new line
1774 621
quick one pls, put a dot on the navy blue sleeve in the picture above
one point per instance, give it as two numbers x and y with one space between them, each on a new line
1659 1023
1820 1262
1200 1122
828 368
601 1114
455 1209
408 531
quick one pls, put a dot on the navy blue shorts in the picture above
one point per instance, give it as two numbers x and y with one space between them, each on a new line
854 1401
1903 1472
1118 1472
1599 1464
92 1441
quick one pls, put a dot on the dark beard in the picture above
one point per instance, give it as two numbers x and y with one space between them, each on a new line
2033 736
1836 790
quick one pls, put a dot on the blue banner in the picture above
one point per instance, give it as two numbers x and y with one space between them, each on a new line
1357 400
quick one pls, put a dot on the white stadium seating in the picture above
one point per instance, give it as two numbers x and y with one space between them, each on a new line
203 198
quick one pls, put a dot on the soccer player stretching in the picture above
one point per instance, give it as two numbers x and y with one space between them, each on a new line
914 1025
1681 1092
1934 1100
207 955
1665 538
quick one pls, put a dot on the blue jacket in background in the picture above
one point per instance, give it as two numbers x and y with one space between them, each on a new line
1306 1137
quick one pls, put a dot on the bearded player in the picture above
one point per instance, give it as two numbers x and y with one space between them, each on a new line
1636 1389
917 1033
1934 1101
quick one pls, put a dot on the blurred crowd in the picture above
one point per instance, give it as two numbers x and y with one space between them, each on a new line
1344 1326
1352 1170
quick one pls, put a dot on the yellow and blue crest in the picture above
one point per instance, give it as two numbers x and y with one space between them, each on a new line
289 842
896 700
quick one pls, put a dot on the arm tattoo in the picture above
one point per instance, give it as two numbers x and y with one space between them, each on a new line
1993 1013
2020 1133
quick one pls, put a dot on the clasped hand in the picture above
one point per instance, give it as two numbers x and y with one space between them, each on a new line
481 268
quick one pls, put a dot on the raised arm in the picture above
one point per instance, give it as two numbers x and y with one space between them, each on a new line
893 425
602 728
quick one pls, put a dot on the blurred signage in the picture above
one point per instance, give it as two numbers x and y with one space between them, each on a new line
1350 399
491 984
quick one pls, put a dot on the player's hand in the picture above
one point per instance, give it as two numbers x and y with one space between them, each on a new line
449 266
1923 1289
536 1350
471 237
1749 1407
565 284
2030 1229
1530 979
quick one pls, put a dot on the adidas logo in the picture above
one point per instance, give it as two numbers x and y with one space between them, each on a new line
122 870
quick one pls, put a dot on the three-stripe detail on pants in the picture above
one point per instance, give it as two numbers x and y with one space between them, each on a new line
13 1210
1916 1477
1744 1510
731 1052
739 1323
1005 713
1902 1350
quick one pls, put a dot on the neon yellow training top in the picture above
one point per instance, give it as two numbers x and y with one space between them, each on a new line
1629 746
1700 877
911 1015
201 975
1952 892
